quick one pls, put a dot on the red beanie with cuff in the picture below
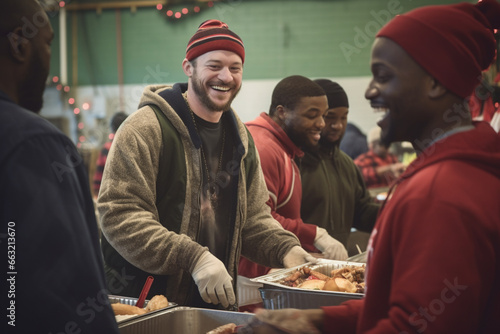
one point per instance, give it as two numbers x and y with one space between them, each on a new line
214 35
453 43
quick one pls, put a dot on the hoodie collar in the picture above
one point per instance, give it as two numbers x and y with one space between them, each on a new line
266 122
174 98
479 146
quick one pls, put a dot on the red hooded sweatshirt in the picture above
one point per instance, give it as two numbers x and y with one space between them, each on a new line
434 254
277 153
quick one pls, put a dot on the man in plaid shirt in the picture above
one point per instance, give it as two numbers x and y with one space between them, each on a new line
378 166
116 121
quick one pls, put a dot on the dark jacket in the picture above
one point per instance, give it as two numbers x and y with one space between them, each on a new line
48 231
354 141
334 195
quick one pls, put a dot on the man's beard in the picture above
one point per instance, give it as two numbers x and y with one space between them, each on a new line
323 141
301 140
202 94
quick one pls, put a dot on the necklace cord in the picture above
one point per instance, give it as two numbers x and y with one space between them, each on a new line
211 184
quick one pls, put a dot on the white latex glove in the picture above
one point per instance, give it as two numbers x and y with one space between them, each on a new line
213 281
297 256
330 247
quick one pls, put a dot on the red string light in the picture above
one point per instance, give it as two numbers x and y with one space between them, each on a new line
176 15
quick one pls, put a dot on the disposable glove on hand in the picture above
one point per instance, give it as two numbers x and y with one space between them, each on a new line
297 256
213 281
330 247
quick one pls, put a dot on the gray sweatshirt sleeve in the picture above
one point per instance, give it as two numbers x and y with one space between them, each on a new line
126 203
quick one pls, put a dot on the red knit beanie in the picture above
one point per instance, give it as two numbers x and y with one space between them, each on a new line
453 43
214 35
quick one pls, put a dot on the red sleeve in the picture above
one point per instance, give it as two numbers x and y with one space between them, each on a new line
273 162
305 232
342 318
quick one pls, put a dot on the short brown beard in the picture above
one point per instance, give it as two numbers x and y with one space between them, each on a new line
203 96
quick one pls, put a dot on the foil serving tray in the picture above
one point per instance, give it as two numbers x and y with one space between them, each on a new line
183 320
132 301
278 296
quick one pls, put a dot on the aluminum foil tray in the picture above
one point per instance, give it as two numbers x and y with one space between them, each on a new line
362 257
278 296
183 320
132 301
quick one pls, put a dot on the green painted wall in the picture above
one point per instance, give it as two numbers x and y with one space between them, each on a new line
311 38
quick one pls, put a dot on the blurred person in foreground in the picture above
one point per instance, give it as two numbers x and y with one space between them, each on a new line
334 193
378 166
183 194
294 122
434 254
115 123
52 278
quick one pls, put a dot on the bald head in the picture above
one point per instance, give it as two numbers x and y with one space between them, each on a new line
14 13
26 35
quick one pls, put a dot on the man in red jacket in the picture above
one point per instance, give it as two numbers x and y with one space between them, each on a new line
295 120
434 254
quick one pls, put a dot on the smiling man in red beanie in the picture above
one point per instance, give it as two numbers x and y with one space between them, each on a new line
434 254
183 195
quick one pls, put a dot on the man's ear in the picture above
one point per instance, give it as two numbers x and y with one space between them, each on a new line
279 111
187 66
436 89
19 46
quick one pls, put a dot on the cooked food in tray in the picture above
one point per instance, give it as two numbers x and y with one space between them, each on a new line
156 303
124 309
345 279
224 329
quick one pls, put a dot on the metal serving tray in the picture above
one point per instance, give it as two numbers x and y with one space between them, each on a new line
278 296
132 301
183 320
362 257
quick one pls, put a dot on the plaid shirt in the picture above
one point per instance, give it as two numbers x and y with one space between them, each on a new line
101 161
367 162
